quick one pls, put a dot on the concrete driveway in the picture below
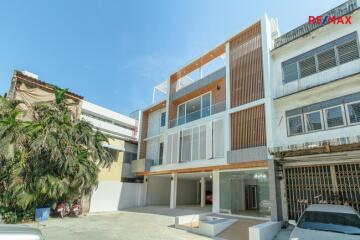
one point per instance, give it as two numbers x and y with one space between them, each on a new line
119 225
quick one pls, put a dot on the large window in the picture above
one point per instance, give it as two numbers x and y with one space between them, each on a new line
339 51
353 112
295 125
338 112
245 193
334 117
194 109
313 121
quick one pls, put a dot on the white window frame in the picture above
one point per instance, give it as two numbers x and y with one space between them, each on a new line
302 123
343 116
348 115
306 122
201 106
161 113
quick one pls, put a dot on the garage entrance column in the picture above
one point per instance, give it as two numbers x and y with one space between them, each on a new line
173 190
203 192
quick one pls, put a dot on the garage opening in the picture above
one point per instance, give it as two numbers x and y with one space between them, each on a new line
194 190
158 190
322 184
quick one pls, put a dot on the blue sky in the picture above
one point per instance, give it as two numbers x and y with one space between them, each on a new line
113 52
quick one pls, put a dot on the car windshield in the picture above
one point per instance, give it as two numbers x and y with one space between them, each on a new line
330 221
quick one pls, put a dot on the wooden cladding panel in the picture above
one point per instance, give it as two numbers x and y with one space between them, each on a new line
246 67
248 128
144 128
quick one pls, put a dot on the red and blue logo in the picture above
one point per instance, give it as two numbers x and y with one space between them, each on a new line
323 20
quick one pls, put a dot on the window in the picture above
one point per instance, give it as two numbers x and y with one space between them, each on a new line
339 51
129 157
307 67
161 153
163 119
348 51
326 59
181 114
295 125
206 105
290 72
313 121
334 117
353 110
194 109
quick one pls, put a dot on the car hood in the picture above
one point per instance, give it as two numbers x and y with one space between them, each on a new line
306 234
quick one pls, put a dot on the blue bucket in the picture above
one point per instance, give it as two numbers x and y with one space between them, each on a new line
42 214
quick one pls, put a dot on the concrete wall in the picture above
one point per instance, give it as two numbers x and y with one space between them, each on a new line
114 196
187 191
158 191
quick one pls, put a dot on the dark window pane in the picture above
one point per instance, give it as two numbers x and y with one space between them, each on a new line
163 119
290 72
313 121
354 112
334 117
295 125
193 110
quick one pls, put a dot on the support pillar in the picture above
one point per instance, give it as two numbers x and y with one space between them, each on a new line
275 192
216 192
173 190
203 192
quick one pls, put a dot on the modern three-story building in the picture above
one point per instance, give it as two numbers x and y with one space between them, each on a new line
261 125
206 142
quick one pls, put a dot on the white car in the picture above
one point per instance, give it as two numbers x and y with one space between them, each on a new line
17 232
327 222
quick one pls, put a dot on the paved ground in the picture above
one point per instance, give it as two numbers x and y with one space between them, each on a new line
138 223
119 226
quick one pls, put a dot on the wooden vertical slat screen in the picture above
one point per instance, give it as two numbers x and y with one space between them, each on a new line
246 68
144 128
248 128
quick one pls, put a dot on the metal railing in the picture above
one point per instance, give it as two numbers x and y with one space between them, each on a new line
202 113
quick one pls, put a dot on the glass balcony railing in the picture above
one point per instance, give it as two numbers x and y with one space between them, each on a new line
202 113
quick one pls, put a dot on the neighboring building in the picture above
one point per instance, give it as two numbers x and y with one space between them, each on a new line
118 186
315 78
208 136
26 87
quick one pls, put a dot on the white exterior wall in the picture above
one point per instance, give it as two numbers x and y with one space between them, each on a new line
158 190
313 40
314 95
114 196
187 191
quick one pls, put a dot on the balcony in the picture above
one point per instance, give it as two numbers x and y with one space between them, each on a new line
198 114
185 86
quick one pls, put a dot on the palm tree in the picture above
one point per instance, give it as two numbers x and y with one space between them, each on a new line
50 158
